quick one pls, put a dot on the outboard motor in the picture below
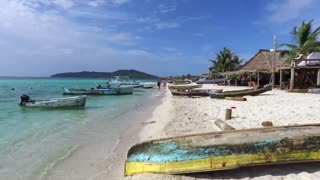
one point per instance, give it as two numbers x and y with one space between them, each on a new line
24 98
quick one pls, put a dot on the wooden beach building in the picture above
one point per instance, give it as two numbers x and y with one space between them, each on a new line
261 66
304 72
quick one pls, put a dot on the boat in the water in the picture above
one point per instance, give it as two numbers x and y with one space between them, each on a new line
75 101
184 86
193 92
247 92
124 81
225 150
148 85
100 91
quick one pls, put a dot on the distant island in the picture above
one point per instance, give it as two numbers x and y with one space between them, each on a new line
91 74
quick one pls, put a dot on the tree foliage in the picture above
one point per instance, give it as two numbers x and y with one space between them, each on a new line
305 40
225 61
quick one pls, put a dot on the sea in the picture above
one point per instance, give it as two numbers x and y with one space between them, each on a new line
75 143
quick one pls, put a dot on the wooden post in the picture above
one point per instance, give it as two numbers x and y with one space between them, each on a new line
274 60
228 113
280 79
258 79
318 78
292 79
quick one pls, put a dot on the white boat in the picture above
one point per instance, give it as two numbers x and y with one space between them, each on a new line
124 81
53 103
185 86
149 85
100 91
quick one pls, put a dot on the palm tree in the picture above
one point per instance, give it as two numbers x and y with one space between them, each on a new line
305 39
225 61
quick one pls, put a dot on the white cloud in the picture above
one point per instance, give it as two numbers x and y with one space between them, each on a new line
167 8
124 38
287 10
167 25
96 3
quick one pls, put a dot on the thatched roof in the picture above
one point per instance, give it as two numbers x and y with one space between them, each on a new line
262 61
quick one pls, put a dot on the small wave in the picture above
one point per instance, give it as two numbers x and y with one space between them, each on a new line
53 164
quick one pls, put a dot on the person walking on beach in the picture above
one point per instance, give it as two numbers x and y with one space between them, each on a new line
164 83
159 84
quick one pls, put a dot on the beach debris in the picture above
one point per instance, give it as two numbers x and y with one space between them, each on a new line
233 107
266 123
223 125
150 122
228 114
236 98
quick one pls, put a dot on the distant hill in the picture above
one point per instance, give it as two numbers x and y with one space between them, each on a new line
87 74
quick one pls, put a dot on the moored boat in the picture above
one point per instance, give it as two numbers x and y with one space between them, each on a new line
184 86
148 85
193 92
124 81
225 150
102 91
53 103
247 92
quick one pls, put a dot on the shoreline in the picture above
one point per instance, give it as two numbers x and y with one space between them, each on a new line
177 116
130 137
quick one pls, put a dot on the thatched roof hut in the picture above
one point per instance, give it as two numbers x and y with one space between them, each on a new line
263 61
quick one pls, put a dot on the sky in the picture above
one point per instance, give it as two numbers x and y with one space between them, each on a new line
160 37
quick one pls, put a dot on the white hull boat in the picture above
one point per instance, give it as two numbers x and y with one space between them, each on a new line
54 103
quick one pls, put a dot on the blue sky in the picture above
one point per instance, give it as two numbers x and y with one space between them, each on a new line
161 37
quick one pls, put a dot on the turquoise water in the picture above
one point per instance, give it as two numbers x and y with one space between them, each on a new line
34 141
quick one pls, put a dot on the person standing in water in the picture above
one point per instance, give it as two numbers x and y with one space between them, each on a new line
159 84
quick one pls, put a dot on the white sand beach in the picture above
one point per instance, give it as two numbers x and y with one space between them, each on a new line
181 116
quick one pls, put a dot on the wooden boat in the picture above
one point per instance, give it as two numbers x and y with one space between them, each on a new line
193 92
314 90
236 98
213 81
184 86
53 103
250 92
103 91
225 150
180 82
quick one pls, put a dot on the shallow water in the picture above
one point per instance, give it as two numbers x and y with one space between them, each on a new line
39 143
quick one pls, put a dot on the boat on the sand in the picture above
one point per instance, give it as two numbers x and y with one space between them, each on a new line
225 150
184 86
212 81
102 91
249 92
75 101
193 92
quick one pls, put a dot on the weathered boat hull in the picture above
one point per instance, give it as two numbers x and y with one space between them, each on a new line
196 92
57 103
225 150
111 91
213 81
185 86
250 92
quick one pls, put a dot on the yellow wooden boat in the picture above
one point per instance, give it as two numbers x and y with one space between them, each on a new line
225 150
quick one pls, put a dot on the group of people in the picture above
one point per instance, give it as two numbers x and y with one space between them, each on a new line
164 83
